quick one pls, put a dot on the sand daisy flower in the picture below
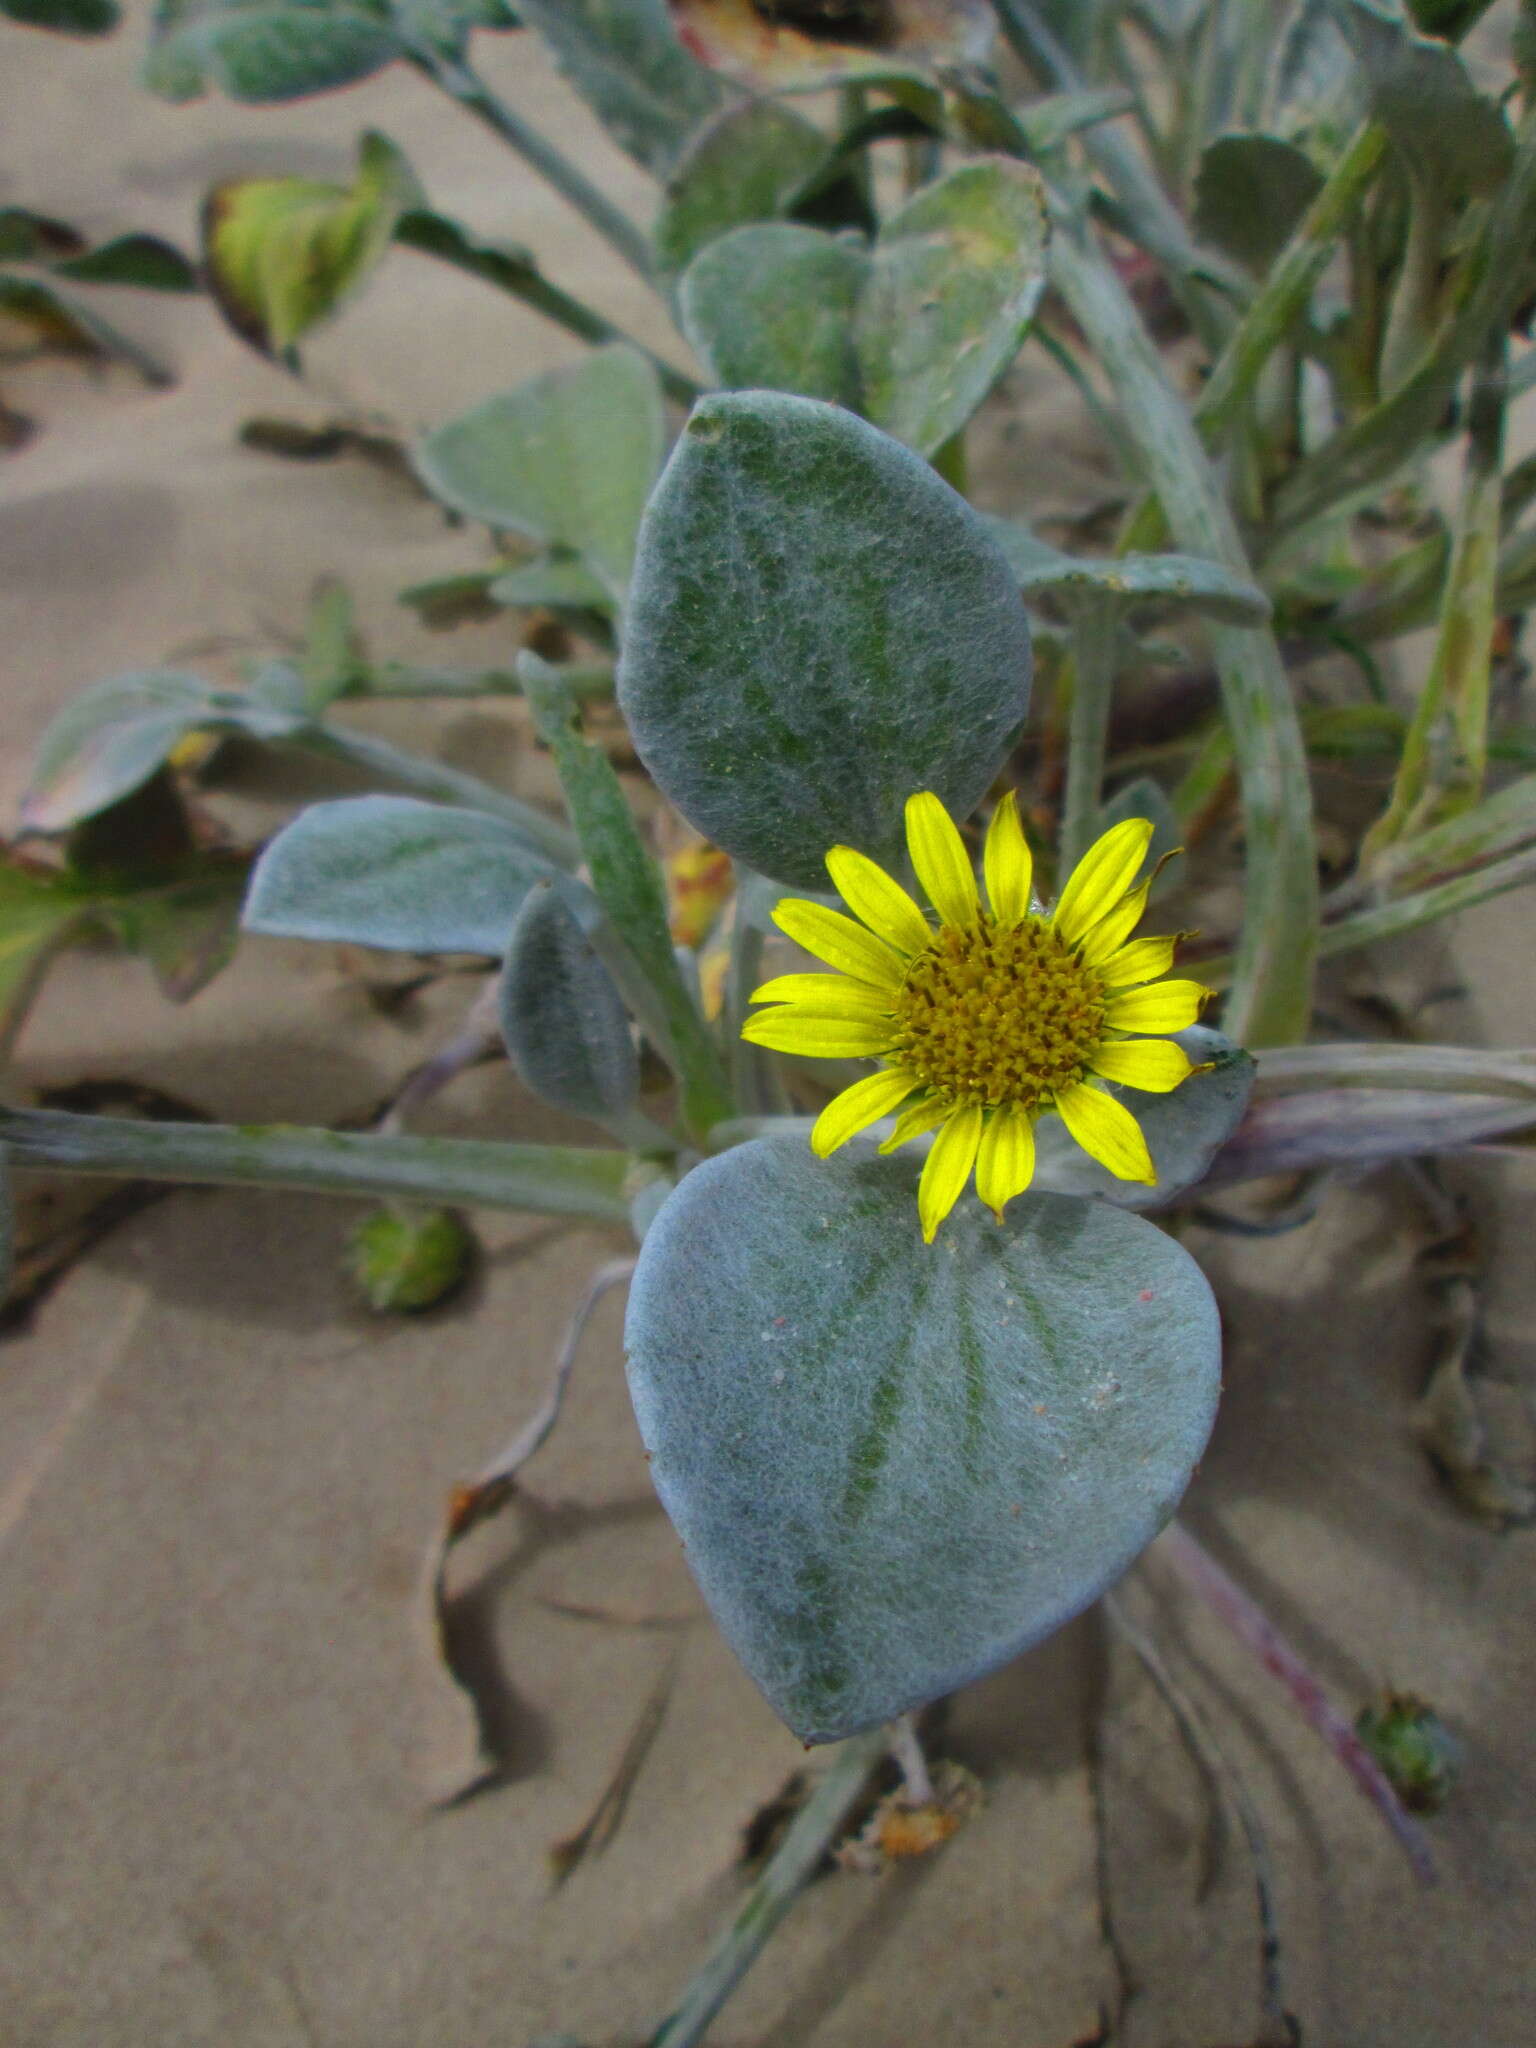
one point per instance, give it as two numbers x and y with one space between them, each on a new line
994 1017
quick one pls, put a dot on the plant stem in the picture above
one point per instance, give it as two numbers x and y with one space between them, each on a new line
552 1180
1095 638
463 83
437 783
1272 993
790 1869
624 880
1254 1629
512 272
1272 313
1445 752
1151 215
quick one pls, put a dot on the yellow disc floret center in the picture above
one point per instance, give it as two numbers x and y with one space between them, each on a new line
997 1014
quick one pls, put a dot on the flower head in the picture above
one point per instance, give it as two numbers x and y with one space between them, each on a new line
994 1017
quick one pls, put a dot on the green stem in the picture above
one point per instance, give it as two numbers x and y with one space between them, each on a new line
552 1180
1445 753
1411 318
397 679
1150 214
789 1870
463 83
437 783
1272 994
1095 638
1486 290
1406 914
1272 313
624 880
512 272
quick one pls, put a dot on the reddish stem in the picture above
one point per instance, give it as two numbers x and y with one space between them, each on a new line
1253 1628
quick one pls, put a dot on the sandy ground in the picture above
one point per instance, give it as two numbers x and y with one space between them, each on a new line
217 1479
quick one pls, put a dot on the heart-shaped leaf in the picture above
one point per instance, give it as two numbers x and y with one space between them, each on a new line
772 307
393 872
818 626
567 458
957 275
895 1467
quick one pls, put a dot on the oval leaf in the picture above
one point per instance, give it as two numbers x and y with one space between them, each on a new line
895 1468
561 1015
283 254
1250 195
957 276
261 51
772 307
818 627
393 872
1153 583
567 458
746 165
624 58
114 736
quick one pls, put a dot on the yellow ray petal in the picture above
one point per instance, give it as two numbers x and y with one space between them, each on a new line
947 1169
1103 875
839 941
1113 929
858 1107
1165 1006
1005 1160
824 995
921 1117
1155 1064
1142 960
1008 863
883 904
788 1029
943 866
1108 1132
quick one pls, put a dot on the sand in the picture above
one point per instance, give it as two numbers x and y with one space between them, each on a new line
218 1732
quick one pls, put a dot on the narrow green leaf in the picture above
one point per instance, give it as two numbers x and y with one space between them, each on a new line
626 882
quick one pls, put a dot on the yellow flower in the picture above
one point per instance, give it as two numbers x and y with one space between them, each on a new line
995 1017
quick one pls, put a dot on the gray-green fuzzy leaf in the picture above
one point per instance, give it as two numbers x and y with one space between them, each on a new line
895 1467
393 872
1148 582
624 59
1184 1129
561 1015
747 165
112 737
818 627
1422 94
958 273
1250 194
772 307
567 458
265 50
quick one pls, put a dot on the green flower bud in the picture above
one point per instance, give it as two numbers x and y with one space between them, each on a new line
406 1259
